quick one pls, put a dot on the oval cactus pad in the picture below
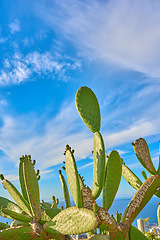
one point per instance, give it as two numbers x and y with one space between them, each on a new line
88 108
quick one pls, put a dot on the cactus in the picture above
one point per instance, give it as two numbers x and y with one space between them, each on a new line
98 165
112 178
121 227
65 190
26 212
72 176
142 152
32 219
88 108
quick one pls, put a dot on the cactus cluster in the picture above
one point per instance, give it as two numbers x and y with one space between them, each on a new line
107 171
33 219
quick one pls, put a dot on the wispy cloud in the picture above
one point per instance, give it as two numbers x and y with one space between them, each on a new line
19 136
86 165
20 68
14 26
122 33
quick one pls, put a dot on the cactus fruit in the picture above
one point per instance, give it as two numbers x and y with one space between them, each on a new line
88 108
98 165
112 178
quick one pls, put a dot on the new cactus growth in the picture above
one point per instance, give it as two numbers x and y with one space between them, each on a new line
121 227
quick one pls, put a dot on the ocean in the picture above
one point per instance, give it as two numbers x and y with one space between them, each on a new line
150 210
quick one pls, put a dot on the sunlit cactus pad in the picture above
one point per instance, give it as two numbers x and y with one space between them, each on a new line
88 108
73 220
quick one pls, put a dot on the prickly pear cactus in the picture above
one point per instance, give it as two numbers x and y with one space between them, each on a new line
28 214
121 227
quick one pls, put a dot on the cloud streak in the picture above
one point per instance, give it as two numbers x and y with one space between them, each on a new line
122 33
19 136
20 68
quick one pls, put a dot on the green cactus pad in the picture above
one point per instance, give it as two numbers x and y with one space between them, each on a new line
81 182
135 234
48 214
130 177
140 199
3 226
142 152
72 177
112 178
4 202
88 108
17 197
16 216
19 233
22 181
46 205
32 188
72 220
65 190
98 165
16 223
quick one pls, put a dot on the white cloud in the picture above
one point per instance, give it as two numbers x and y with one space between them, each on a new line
85 166
124 33
20 68
14 26
11 178
19 136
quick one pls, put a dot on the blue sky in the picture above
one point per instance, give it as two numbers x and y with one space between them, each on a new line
48 49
